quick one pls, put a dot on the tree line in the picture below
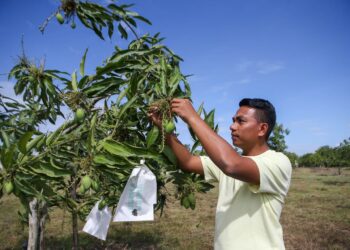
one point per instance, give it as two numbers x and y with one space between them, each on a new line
327 156
324 156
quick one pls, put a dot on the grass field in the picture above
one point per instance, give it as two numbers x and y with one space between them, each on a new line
316 216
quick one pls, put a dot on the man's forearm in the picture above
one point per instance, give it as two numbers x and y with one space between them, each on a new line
219 151
181 152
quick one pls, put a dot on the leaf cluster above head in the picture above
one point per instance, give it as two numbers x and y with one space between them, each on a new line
97 17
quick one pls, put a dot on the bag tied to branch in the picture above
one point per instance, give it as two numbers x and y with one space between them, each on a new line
97 222
139 196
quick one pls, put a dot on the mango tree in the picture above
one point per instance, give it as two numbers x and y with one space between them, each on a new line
91 155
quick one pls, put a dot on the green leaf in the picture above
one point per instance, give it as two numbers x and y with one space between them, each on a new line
121 96
102 159
143 19
195 145
152 136
119 149
50 171
110 29
109 67
22 144
170 155
14 70
96 29
5 139
110 85
49 85
127 105
125 150
209 119
193 135
7 156
130 53
187 87
61 166
84 81
122 31
19 87
25 187
82 64
111 161
35 142
54 135
83 19
91 136
131 21
74 81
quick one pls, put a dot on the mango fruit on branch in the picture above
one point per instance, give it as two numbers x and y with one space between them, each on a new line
162 109
8 187
59 18
86 182
169 126
79 115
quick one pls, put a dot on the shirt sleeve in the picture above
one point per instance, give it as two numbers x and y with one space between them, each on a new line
211 171
275 174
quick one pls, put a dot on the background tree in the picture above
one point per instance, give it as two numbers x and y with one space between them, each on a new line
277 138
327 156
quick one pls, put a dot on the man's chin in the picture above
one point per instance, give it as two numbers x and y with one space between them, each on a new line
235 144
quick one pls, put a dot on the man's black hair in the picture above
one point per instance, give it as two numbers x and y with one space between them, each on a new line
265 112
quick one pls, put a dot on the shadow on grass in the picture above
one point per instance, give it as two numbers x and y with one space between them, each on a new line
338 183
119 237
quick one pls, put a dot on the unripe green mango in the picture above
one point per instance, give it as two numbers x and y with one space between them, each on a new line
79 114
102 204
185 202
95 186
8 187
86 181
60 18
169 127
81 190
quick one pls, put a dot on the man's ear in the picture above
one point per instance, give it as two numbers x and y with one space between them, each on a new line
263 129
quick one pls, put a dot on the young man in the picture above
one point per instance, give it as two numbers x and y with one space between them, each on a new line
252 186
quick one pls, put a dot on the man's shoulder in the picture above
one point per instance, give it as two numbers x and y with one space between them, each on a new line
279 160
280 156
273 158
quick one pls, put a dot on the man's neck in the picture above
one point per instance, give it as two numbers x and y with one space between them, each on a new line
256 149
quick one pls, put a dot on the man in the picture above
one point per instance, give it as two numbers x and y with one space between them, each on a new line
252 186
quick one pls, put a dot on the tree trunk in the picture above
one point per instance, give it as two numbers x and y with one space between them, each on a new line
33 225
43 215
75 242
75 231
37 218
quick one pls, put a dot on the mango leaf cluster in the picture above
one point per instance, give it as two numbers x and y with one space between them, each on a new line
98 18
113 133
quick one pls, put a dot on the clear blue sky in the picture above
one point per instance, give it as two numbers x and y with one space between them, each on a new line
294 53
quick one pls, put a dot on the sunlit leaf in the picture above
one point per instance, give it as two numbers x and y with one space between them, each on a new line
82 64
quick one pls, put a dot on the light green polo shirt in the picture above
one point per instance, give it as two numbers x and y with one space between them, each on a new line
247 215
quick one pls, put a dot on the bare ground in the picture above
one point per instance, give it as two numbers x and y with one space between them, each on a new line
316 216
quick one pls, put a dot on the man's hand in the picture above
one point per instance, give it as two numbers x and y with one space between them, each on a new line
155 116
184 109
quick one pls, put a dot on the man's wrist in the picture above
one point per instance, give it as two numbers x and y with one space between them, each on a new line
193 119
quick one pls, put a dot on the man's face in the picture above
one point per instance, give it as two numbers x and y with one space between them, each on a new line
245 129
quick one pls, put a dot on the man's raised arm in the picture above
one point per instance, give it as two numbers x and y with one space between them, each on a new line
186 161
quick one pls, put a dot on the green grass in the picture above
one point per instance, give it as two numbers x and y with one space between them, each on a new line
316 216
317 210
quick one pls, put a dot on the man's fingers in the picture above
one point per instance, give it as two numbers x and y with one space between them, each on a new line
176 100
